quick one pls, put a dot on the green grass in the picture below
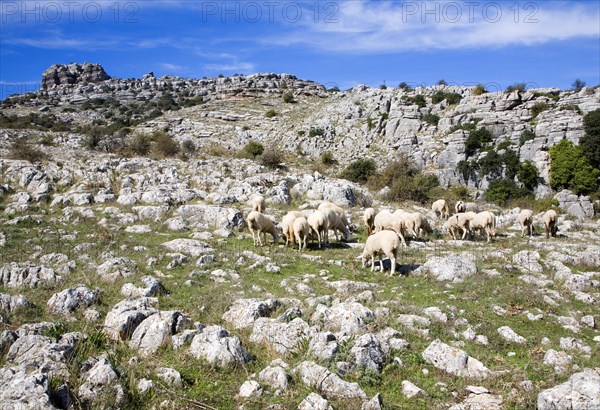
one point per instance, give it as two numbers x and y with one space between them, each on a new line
206 302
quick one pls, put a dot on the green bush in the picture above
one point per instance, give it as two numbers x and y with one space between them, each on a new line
528 175
570 169
467 169
438 97
476 140
141 144
314 132
26 152
404 86
539 108
288 97
578 85
451 98
431 119
188 146
271 158
164 145
442 82
327 158
527 135
516 87
253 149
479 89
413 188
418 100
590 142
491 165
501 190
271 113
359 170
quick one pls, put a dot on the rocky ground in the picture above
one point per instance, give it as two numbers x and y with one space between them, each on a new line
132 283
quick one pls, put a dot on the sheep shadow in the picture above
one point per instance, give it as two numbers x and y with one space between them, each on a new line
404 270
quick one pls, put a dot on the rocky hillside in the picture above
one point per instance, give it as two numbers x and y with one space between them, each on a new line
430 124
132 282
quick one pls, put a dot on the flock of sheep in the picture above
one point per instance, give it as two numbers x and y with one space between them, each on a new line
386 229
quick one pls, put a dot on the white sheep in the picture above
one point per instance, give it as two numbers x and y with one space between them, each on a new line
319 226
301 231
526 221
369 220
484 221
440 207
259 223
409 222
385 220
338 210
418 223
287 225
258 204
381 243
464 222
453 227
460 207
551 223
335 223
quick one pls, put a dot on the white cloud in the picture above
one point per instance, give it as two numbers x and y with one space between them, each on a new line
365 27
174 68
230 67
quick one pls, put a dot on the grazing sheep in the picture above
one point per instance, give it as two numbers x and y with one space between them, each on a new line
440 207
419 224
460 207
484 221
526 221
259 223
369 219
258 204
381 243
408 222
550 223
287 225
453 227
319 226
385 220
335 224
301 231
338 210
464 222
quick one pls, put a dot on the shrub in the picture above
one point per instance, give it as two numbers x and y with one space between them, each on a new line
476 140
502 189
26 152
431 119
413 188
140 144
271 158
491 165
585 178
327 158
404 86
253 149
442 82
467 169
516 87
164 145
570 169
528 175
438 97
359 170
400 168
283 85
188 146
510 159
453 98
539 108
271 113
527 135
314 132
479 89
590 142
418 100
578 85
288 97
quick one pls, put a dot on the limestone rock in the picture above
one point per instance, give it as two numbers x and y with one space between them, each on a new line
29 275
156 330
67 301
282 337
244 312
454 361
125 316
327 383
215 345
454 267
581 391
101 380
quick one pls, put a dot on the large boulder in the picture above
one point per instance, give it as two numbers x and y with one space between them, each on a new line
125 316
41 353
453 267
156 330
349 318
244 312
215 216
10 303
282 337
69 300
64 74
101 380
579 206
580 392
29 275
329 384
18 387
215 345
454 361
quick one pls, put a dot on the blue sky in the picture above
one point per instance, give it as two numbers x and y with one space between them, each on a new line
341 43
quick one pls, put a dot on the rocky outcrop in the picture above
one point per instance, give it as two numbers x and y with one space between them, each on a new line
579 206
454 361
69 300
216 346
581 391
61 74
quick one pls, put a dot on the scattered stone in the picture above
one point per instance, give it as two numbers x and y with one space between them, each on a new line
510 335
66 302
350 318
581 391
560 361
410 390
314 402
29 275
244 312
368 353
125 316
100 380
275 375
116 268
282 337
156 330
214 344
170 376
454 361
188 246
152 287
327 383
453 268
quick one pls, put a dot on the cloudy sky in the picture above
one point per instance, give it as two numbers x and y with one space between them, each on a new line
542 43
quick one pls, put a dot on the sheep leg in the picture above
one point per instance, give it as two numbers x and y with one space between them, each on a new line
402 237
380 262
372 262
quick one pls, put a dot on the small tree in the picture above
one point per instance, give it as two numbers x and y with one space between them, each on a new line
442 82
360 170
253 149
327 158
476 139
502 189
140 144
590 142
479 89
528 175
271 158
585 177
578 85
164 145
